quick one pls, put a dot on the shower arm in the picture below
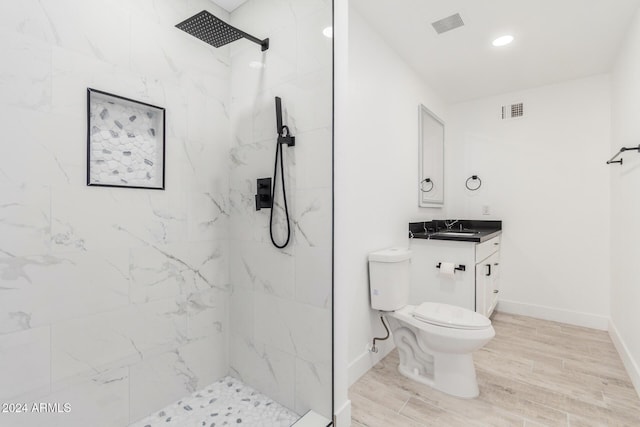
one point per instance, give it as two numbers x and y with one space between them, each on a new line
264 44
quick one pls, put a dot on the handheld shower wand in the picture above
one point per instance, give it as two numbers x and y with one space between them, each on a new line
284 137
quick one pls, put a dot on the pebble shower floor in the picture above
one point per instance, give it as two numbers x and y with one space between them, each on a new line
227 402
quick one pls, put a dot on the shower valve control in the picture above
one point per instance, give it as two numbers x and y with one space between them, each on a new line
263 198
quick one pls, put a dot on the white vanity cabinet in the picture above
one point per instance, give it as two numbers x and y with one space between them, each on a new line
475 288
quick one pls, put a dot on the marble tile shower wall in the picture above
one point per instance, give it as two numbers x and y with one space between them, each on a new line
113 300
280 317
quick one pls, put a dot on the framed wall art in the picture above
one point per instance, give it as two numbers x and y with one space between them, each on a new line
125 142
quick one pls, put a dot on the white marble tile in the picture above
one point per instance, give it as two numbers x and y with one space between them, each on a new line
167 52
163 12
264 268
295 328
25 72
264 117
313 159
313 275
25 358
207 358
252 161
209 214
74 72
41 290
208 117
90 32
135 217
264 17
164 271
159 381
313 387
249 224
28 18
207 315
266 368
278 65
33 156
156 383
101 401
25 220
314 48
309 98
94 344
241 313
314 216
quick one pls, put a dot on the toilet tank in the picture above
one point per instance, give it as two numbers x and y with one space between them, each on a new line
389 278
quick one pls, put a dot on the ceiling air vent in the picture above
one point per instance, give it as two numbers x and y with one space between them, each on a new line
512 111
447 24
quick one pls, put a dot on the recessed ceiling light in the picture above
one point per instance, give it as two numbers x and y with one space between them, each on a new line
328 32
502 41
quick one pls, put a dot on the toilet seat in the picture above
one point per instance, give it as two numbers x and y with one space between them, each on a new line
449 316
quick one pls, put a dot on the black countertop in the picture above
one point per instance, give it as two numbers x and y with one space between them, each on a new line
436 230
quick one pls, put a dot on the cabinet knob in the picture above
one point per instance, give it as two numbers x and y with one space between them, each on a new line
495 291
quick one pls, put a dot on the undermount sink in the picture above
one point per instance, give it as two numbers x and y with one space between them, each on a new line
456 233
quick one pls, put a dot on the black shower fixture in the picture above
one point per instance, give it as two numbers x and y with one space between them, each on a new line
284 138
215 31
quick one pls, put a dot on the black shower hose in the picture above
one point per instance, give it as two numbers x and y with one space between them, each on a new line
284 195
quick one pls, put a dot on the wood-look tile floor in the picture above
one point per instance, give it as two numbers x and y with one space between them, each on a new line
533 373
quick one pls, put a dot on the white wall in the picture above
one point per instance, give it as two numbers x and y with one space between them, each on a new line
376 173
625 204
114 300
544 176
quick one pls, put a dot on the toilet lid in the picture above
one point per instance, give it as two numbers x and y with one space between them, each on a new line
450 316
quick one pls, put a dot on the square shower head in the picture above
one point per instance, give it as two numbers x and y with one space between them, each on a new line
215 31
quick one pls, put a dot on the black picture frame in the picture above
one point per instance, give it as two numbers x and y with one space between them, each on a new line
125 142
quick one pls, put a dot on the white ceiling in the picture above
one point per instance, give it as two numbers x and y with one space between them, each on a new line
229 5
555 40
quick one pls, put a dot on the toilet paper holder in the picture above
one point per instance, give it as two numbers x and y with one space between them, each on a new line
461 267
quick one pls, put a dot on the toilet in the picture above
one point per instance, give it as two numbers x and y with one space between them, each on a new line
435 341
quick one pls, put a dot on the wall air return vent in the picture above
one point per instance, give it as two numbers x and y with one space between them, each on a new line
447 24
512 111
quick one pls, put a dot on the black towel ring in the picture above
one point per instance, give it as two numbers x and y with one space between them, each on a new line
473 178
427 180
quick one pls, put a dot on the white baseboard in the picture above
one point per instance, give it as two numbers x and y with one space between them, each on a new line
577 318
629 363
343 415
367 360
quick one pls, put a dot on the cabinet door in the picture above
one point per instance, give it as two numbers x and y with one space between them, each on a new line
482 288
493 282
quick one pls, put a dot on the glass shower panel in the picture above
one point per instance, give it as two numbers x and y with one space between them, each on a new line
280 328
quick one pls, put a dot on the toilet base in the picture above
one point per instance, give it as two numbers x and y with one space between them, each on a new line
450 373
453 376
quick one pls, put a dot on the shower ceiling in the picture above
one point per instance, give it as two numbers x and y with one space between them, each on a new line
229 5
554 41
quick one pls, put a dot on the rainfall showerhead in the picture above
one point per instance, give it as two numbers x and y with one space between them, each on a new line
216 32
